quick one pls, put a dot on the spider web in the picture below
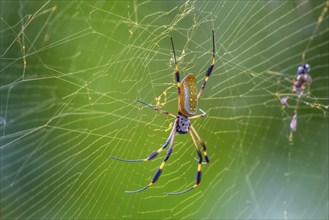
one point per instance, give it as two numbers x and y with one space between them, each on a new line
70 74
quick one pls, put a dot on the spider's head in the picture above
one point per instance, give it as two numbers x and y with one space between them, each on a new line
183 124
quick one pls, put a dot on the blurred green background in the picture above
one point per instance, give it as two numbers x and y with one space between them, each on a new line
72 105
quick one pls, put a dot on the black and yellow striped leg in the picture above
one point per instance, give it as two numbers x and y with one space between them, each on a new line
159 170
177 76
155 153
210 69
198 173
157 109
206 157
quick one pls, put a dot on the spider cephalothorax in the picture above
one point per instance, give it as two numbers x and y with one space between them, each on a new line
187 109
183 124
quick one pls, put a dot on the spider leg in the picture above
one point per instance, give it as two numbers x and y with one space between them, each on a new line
155 153
198 174
176 67
210 69
202 144
157 109
199 116
159 170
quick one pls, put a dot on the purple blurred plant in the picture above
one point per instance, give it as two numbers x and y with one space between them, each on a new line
293 123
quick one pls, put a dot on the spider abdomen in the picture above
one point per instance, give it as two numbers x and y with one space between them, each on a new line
183 124
188 101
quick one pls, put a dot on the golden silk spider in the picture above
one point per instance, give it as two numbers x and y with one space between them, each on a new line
187 109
